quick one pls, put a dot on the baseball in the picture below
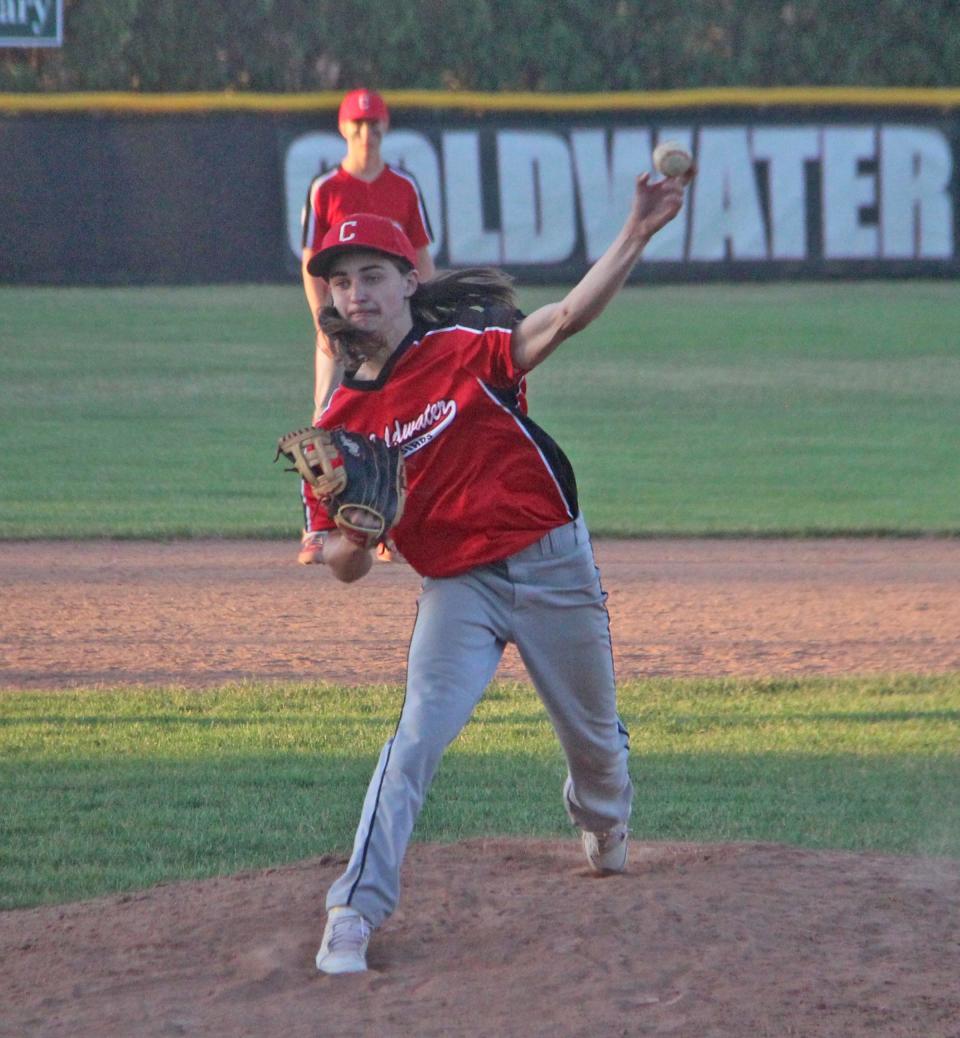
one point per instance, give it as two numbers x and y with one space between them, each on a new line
671 159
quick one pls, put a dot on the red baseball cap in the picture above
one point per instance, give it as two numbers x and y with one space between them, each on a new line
358 232
363 104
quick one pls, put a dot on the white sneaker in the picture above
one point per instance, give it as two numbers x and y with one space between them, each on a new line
345 940
607 852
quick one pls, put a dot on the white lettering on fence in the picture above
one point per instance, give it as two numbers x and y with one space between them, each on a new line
536 197
605 178
468 241
916 217
786 150
849 193
18 12
537 201
727 221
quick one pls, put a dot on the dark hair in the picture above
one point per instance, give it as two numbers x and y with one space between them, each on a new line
442 297
435 302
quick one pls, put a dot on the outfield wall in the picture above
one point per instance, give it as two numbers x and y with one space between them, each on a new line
144 189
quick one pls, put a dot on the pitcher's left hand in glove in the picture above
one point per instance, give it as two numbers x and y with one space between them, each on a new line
360 480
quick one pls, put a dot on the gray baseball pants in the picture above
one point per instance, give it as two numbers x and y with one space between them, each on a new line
547 599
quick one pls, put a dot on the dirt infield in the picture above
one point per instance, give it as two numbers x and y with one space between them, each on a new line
495 937
199 613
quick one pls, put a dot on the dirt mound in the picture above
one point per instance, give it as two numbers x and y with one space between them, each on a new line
512 938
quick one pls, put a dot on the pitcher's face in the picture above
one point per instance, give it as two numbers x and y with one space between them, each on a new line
371 292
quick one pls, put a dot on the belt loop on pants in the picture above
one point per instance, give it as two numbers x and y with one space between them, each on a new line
563 538
559 540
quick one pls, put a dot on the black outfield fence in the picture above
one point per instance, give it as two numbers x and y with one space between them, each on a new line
208 188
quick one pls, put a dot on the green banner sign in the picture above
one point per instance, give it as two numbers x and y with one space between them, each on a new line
31 23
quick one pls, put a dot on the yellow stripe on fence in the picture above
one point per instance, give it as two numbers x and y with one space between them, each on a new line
714 97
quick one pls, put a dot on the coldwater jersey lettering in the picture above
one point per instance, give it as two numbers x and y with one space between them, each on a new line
411 436
484 480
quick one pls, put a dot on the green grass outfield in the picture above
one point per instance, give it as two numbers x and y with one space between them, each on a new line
771 409
110 790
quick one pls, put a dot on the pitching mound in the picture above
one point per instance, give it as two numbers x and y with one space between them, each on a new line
512 938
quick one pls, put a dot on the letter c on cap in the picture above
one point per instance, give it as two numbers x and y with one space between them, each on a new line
344 227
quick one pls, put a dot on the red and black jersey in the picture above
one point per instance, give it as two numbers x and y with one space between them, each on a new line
335 195
484 480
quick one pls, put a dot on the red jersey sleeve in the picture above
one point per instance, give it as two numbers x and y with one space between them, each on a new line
315 220
416 225
488 354
397 195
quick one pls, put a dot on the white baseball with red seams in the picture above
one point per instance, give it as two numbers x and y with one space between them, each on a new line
671 159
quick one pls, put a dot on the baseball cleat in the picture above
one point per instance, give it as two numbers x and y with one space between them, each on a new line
607 852
311 549
345 940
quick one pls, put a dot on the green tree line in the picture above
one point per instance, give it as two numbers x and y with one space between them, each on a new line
491 45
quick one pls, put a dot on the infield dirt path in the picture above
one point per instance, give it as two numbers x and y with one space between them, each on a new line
497 938
205 612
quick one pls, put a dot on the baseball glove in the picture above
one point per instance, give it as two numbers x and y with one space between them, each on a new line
359 480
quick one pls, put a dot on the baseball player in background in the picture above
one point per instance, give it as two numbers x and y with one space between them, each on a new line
492 523
362 183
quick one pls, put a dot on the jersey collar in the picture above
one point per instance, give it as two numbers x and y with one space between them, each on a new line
365 385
